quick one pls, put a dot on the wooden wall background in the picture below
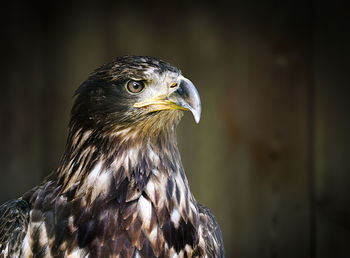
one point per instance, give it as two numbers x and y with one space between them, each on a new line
271 154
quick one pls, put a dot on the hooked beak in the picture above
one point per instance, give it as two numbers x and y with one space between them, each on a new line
185 97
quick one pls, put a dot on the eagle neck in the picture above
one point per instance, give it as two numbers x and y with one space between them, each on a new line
124 155
144 174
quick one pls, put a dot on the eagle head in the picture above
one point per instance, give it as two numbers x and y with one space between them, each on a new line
134 92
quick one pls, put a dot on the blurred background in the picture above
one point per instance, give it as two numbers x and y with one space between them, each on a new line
270 156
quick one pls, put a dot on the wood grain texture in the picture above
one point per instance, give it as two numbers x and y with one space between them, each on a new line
332 106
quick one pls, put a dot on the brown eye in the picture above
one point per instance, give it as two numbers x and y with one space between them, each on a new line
135 86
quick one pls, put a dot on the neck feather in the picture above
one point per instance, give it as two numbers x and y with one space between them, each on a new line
126 166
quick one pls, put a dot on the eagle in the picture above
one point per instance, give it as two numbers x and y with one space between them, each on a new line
120 189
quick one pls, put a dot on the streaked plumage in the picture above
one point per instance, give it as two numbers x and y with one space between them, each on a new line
120 189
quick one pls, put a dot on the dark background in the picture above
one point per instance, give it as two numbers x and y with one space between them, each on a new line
270 156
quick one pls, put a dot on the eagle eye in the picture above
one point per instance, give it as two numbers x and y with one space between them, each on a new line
135 86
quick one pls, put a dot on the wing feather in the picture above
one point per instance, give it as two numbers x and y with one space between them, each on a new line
214 246
14 217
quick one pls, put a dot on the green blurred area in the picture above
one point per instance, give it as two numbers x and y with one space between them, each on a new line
270 155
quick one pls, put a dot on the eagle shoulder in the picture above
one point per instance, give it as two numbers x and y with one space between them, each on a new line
211 238
14 218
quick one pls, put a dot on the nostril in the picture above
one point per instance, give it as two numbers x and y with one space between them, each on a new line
173 85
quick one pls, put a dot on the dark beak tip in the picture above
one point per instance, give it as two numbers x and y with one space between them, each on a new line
196 114
187 96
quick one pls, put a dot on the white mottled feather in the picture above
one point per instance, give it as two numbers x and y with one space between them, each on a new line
175 217
145 211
